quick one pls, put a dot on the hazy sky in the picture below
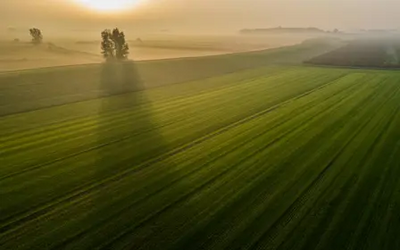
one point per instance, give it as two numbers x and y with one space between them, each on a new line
203 15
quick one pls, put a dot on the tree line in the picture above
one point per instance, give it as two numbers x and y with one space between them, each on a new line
113 44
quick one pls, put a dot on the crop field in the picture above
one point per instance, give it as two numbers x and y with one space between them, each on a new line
278 157
33 89
380 53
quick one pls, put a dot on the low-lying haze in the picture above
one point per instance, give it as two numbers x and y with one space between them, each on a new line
206 15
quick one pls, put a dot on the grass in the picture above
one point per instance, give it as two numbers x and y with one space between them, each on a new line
274 157
22 91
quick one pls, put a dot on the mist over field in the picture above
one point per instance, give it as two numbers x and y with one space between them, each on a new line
81 49
175 28
200 124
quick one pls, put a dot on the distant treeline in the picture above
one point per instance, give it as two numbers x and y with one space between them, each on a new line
281 30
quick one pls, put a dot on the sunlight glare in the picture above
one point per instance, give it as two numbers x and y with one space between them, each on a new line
108 5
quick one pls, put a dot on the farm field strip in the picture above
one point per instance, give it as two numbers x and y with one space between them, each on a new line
227 215
321 183
256 165
243 165
85 138
240 176
25 180
114 107
35 89
121 103
170 105
88 109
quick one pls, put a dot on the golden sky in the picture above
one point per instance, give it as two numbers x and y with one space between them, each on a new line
207 14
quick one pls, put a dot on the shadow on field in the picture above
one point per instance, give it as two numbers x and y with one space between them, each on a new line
130 145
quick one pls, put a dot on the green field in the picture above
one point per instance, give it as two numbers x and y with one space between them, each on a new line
269 157
32 89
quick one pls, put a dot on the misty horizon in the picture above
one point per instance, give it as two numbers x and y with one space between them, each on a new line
199 16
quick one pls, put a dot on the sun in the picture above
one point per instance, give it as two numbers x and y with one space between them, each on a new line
108 5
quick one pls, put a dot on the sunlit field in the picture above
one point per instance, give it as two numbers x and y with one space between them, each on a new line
241 151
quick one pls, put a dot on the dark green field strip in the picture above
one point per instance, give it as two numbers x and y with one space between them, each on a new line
27 178
306 160
119 105
176 118
171 224
24 181
61 214
179 111
247 168
89 108
366 190
171 227
48 174
350 155
16 123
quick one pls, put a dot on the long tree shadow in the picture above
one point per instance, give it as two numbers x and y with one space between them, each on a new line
130 145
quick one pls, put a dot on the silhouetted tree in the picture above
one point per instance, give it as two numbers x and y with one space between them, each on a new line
113 44
121 47
107 45
37 36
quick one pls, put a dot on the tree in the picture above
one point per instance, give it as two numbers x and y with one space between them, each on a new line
107 45
121 47
37 36
113 44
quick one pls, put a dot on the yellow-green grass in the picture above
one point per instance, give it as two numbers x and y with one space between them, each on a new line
278 157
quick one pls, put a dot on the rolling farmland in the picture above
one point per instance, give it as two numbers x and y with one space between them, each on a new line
277 157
